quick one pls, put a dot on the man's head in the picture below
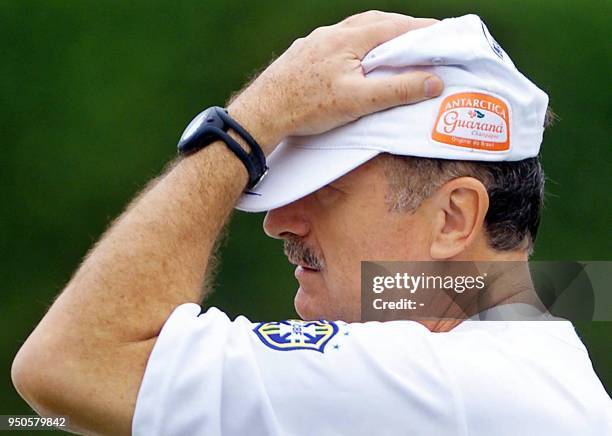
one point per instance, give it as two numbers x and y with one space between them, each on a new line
404 208
456 177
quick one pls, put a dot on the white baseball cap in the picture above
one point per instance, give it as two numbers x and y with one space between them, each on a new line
488 111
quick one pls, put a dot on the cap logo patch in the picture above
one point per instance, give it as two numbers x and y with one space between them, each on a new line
473 120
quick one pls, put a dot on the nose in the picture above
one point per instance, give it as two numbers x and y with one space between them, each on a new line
289 220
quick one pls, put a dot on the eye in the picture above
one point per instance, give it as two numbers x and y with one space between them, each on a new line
328 195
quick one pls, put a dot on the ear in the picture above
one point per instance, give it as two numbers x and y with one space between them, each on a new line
458 219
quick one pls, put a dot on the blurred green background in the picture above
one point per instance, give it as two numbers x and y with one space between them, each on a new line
95 95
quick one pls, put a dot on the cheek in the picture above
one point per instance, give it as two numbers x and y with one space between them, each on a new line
403 237
344 276
418 240
343 282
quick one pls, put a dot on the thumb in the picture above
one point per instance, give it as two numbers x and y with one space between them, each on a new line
380 93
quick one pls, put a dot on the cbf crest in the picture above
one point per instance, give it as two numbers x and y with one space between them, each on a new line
296 334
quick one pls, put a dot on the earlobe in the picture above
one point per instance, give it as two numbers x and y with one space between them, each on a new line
462 205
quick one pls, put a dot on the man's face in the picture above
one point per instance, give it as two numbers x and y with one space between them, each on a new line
329 232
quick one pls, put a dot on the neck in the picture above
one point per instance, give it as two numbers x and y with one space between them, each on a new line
507 281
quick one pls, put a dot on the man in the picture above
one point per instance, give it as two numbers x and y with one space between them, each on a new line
336 196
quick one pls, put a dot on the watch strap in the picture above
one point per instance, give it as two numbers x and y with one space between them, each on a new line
255 168
213 124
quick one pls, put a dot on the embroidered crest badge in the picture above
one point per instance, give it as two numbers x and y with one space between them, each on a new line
296 334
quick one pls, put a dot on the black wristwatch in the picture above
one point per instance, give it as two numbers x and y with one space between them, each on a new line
212 125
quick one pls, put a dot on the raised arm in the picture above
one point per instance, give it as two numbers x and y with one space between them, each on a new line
87 356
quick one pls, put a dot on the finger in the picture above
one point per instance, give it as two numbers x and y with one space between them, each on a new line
368 36
379 93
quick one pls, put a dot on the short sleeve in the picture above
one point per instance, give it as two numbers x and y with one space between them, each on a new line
209 375
191 376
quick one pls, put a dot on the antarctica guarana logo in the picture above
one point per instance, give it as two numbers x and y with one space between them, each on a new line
296 334
473 120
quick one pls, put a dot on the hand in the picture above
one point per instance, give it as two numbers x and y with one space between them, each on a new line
318 83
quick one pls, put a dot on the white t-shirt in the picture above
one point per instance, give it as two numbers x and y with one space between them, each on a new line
208 375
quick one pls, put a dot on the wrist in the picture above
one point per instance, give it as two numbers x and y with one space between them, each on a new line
215 124
260 125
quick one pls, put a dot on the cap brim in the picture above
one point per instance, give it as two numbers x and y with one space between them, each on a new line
294 172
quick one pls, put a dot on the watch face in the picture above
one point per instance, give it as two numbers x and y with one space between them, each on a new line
202 130
193 126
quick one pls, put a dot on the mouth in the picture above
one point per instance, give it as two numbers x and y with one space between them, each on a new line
307 269
303 267
303 273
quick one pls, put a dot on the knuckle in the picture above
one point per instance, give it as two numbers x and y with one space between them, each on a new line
327 38
371 13
362 16
349 20
298 43
319 31
405 91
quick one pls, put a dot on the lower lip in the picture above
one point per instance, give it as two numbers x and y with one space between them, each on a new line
300 271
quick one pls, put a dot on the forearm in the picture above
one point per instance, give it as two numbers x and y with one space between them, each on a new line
154 256
104 324
102 327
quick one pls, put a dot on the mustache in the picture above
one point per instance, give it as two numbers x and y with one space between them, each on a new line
297 252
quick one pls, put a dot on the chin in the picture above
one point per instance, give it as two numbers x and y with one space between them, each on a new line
312 308
307 307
